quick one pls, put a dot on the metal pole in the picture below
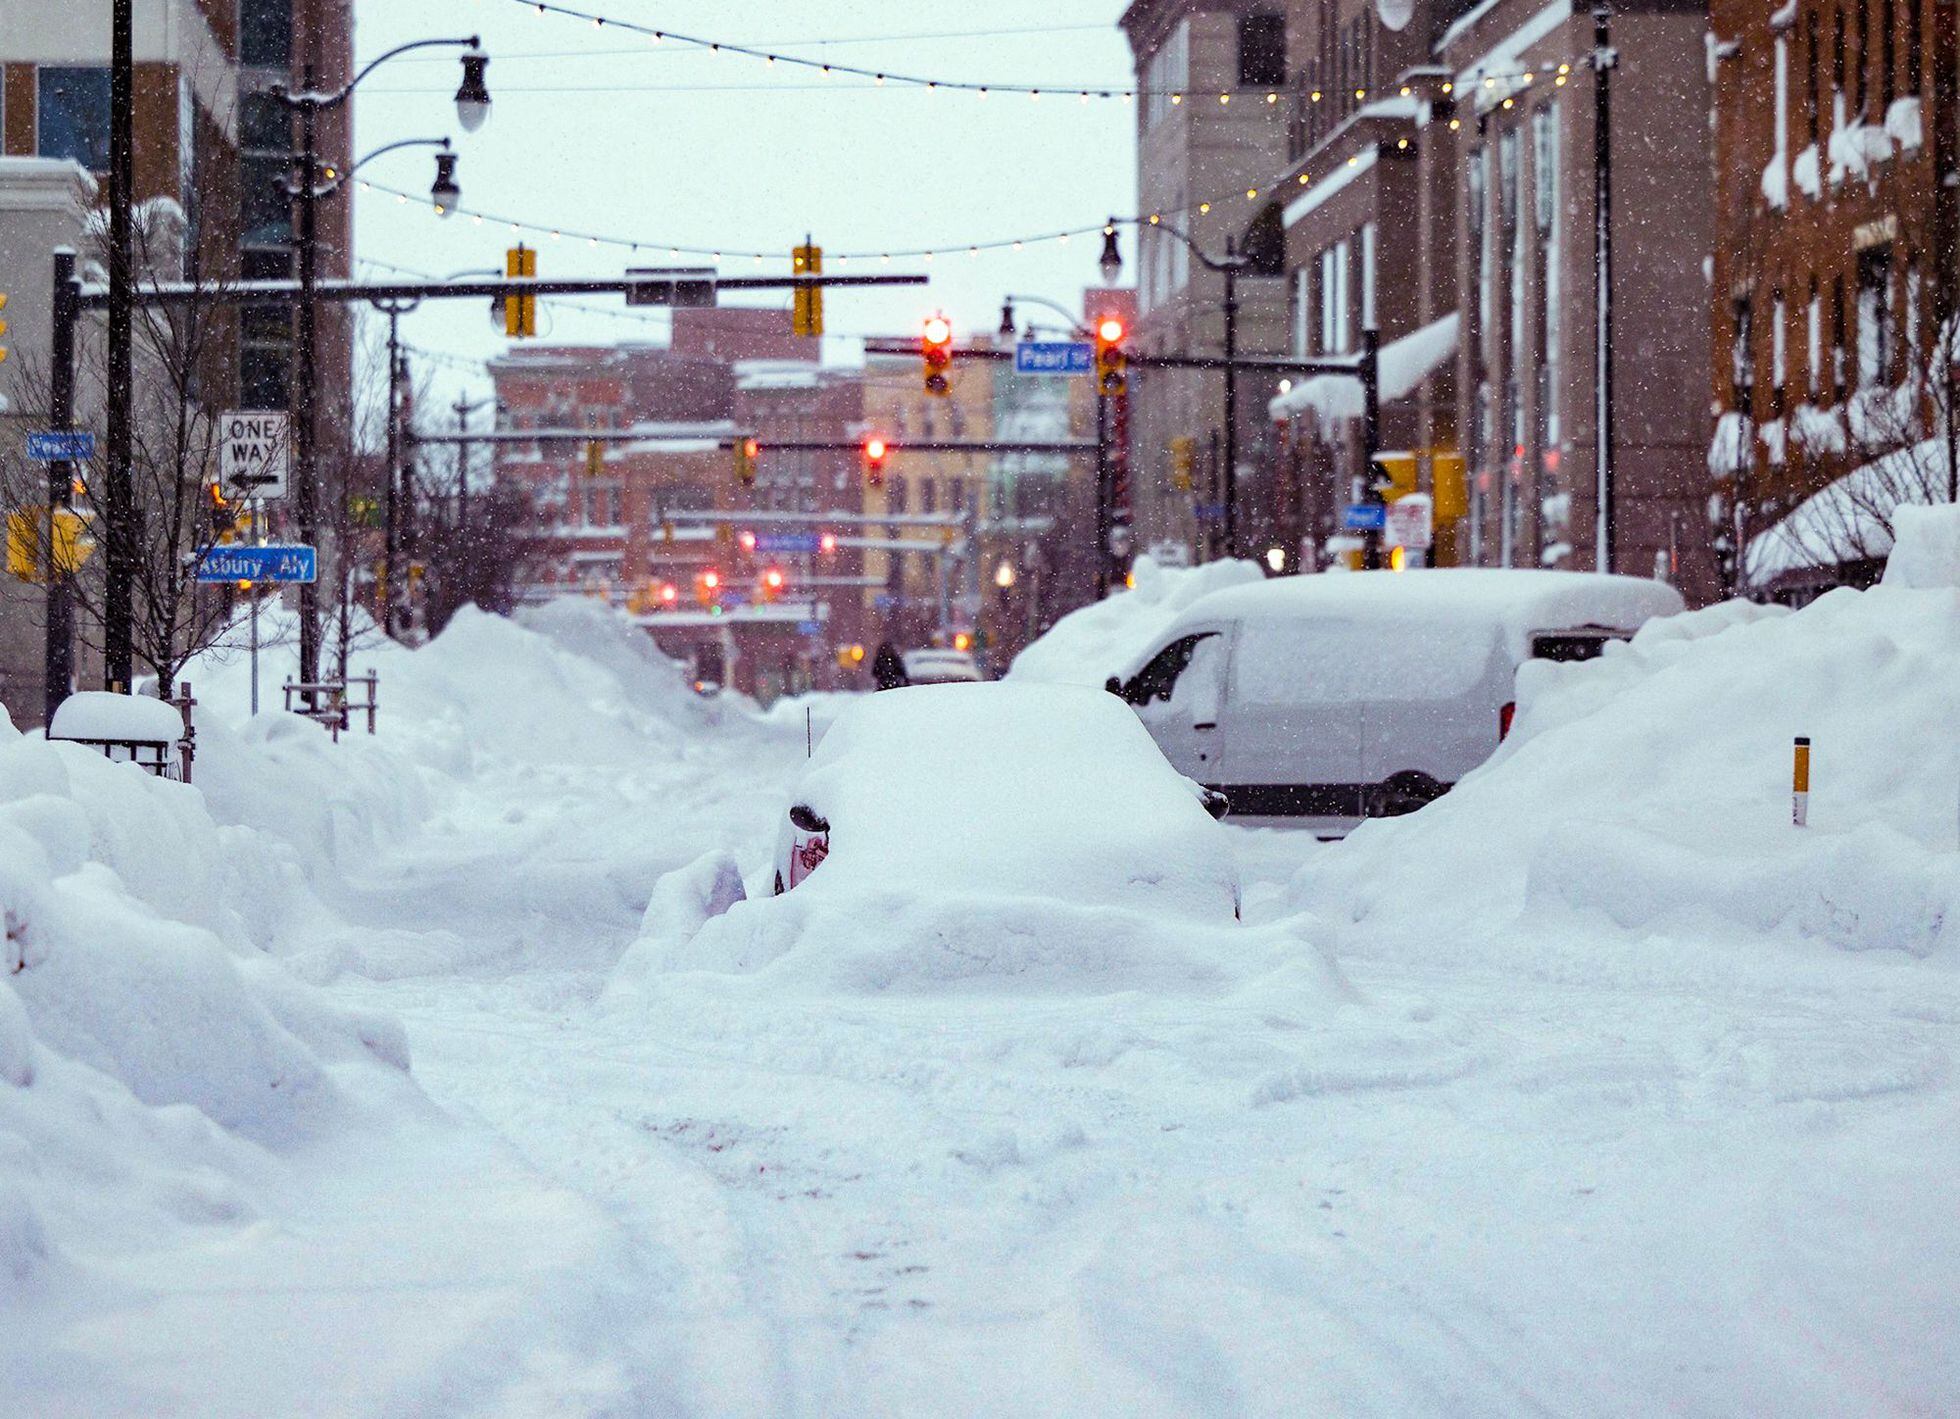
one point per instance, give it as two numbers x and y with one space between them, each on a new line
390 557
1102 498
1231 401
59 662
118 505
306 494
1603 61
1371 442
463 408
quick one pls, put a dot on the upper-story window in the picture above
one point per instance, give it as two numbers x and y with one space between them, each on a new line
1262 51
265 33
73 109
1168 74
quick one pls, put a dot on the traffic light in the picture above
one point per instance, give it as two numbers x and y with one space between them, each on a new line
224 516
1184 451
936 345
772 583
669 595
875 451
520 312
707 586
3 324
1112 365
595 458
745 456
807 316
827 543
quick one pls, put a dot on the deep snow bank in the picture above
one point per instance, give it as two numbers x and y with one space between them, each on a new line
149 1055
1107 638
1651 789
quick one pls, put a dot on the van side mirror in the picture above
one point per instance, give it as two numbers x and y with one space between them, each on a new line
1114 686
805 819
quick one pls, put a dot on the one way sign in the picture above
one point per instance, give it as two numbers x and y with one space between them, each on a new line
253 453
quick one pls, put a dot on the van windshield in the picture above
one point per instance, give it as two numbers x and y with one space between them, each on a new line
1331 662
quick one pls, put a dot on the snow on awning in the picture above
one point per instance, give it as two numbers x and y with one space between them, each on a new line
1851 519
1404 365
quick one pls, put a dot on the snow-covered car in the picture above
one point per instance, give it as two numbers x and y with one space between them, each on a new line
1025 791
940 667
1323 700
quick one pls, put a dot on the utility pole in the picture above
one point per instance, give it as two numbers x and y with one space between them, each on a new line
391 535
1371 443
1603 62
1102 499
306 489
118 636
59 664
1230 266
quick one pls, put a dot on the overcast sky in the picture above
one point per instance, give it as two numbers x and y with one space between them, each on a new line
595 129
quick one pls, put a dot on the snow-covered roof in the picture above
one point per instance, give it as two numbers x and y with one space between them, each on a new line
1404 364
1518 600
1851 518
777 374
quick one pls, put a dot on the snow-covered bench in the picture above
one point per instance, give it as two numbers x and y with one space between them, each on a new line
155 735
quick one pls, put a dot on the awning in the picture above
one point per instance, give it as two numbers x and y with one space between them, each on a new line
1403 365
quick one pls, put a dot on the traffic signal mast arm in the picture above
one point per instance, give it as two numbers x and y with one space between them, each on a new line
91 297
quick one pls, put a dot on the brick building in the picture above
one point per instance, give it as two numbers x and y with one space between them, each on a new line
1834 267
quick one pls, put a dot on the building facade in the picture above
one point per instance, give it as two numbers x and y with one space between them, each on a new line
1835 146
1211 143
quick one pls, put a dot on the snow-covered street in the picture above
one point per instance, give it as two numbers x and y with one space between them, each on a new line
1415 1149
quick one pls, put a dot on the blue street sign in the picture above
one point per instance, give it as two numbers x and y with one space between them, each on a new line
274 564
61 446
1366 517
884 601
1054 357
787 541
1211 512
809 628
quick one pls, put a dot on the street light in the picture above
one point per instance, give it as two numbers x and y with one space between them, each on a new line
1007 315
309 102
473 98
444 192
1229 266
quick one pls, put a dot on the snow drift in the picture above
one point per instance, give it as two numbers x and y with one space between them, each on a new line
1651 788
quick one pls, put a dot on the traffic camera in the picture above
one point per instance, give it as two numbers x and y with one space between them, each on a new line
936 345
1112 365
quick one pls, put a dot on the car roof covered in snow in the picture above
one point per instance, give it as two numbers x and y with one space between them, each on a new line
1019 790
1516 600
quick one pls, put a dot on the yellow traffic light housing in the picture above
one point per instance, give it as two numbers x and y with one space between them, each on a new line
595 458
806 318
521 311
746 451
875 452
936 345
3 325
1184 457
1112 365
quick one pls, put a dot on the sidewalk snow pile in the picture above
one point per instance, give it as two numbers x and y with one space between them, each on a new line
1108 638
1651 789
152 1062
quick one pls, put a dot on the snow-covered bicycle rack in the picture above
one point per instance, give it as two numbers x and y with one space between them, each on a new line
155 735
327 702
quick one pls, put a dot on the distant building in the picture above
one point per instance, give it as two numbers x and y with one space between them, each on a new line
1834 268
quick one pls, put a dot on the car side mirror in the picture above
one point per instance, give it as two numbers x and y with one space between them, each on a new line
805 819
1216 803
1114 686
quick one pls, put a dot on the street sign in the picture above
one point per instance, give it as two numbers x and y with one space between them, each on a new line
788 541
809 628
245 563
61 446
1210 512
1054 357
1365 517
688 286
1410 522
254 453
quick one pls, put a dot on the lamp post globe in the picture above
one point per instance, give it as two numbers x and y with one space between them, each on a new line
473 97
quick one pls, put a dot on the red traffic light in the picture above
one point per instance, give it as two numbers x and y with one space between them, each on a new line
874 449
669 593
939 330
711 579
828 543
773 578
748 541
1109 330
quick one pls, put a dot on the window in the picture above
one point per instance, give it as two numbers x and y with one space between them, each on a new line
1169 73
1915 295
262 382
73 105
265 33
1888 53
1779 351
1159 677
1915 49
1813 97
1864 52
1262 51
1302 312
1545 161
1366 243
1815 336
1334 299
1837 337
267 210
1742 370
1874 316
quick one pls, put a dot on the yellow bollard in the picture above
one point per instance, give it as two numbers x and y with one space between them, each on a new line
1800 783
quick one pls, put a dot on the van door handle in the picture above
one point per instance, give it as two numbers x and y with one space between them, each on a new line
1213 724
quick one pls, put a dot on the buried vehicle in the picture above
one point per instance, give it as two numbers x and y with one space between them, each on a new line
1324 700
1021 791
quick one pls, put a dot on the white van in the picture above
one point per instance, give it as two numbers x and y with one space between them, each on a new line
1324 699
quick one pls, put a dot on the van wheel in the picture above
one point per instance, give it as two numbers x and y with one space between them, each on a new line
1402 794
779 884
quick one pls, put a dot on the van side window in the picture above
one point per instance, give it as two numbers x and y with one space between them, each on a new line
1570 646
1159 677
